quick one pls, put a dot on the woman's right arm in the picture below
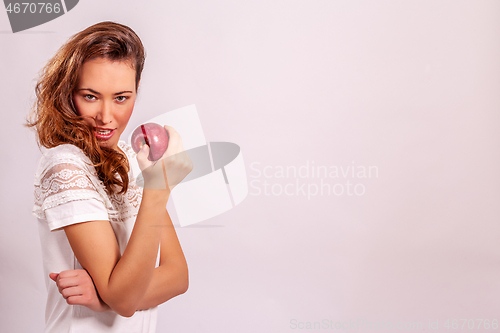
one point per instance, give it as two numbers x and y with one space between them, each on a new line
122 281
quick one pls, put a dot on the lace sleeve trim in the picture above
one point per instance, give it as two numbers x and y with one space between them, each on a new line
65 174
59 187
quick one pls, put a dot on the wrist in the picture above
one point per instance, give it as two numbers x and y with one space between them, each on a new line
155 196
104 307
155 177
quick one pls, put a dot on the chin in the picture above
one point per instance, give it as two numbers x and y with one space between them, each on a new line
105 144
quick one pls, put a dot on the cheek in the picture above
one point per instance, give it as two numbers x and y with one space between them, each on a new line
130 108
81 110
125 115
84 112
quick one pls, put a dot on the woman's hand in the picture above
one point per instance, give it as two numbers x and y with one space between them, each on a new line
170 169
77 288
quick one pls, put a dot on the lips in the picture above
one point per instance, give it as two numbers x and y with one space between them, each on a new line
103 133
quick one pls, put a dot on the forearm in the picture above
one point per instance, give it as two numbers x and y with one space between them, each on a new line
171 278
167 283
134 271
122 279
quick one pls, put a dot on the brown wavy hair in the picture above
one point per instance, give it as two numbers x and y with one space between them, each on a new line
54 115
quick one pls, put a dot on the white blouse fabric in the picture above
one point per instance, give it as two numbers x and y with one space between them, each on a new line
68 191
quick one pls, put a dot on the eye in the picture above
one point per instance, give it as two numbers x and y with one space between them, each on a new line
89 97
121 98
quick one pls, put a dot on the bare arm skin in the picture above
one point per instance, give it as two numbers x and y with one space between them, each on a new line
77 288
171 277
121 281
130 282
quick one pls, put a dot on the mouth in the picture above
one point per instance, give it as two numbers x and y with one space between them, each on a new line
103 133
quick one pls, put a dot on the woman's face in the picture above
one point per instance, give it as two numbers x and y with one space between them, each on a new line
105 96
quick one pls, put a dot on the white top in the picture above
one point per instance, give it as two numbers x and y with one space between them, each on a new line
68 191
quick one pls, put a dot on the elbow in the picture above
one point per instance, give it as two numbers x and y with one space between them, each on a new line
122 307
123 304
183 281
125 311
127 314
184 286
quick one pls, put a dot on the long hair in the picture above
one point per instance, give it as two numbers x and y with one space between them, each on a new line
54 115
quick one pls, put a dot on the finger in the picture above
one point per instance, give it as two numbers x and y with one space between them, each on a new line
77 300
168 133
71 291
142 157
68 273
53 276
174 142
170 130
67 283
70 281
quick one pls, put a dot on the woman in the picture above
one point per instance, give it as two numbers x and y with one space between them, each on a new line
97 227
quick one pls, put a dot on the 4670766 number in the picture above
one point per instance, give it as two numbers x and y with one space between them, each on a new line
33 8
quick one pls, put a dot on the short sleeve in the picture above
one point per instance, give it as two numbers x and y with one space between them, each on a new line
75 212
67 191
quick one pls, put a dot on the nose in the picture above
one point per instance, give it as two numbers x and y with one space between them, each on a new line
105 114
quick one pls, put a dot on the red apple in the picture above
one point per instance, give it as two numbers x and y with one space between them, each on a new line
153 135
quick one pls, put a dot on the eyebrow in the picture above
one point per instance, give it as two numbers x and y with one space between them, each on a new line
97 93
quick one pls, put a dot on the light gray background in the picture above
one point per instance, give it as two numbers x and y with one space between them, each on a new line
411 87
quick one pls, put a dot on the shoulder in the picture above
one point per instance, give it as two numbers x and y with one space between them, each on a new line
64 157
65 174
65 150
127 149
66 153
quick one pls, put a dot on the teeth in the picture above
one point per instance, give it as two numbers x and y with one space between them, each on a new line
100 131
